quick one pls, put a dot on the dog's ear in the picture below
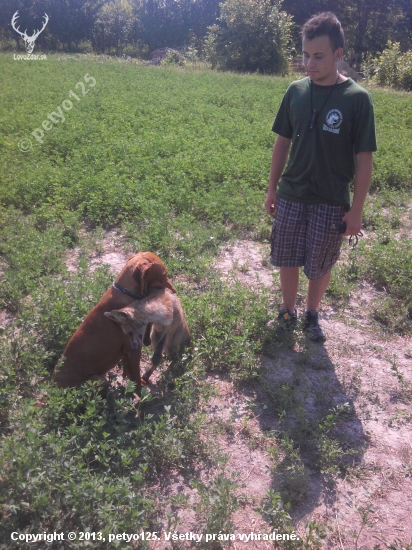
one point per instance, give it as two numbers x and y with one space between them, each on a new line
155 276
118 316
139 276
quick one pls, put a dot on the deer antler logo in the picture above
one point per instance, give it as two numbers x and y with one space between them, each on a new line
28 40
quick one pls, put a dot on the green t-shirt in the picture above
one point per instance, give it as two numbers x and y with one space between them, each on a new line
322 160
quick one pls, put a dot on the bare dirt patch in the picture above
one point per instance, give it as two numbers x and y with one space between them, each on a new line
6 317
108 249
245 260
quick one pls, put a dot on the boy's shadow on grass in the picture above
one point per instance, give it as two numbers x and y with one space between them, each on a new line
319 437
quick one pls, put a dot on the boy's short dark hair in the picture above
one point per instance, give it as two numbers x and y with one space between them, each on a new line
325 23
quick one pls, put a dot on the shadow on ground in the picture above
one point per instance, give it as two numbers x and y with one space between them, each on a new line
318 432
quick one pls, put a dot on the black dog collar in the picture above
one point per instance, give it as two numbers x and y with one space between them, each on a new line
126 291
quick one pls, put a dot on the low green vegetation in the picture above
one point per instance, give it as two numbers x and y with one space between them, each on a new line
176 162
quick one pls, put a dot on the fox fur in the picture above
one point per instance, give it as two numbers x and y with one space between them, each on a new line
157 320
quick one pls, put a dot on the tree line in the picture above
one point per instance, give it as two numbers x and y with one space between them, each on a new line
249 35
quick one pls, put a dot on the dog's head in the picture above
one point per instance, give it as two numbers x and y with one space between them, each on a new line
151 273
132 328
144 272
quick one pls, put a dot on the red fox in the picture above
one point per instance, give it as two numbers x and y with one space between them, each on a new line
157 320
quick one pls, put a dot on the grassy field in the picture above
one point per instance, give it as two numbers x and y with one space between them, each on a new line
173 161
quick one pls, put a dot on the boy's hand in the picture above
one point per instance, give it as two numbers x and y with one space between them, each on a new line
353 222
270 203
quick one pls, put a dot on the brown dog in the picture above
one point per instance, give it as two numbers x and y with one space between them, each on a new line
99 344
160 313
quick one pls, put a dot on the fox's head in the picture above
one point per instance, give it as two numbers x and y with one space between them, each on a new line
133 328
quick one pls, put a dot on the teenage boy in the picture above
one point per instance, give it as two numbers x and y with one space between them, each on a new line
326 121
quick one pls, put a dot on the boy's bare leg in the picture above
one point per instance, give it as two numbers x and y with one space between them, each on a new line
289 282
316 290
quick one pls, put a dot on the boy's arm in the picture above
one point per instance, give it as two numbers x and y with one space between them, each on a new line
279 158
363 174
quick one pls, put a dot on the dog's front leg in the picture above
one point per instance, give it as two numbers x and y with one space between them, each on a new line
131 364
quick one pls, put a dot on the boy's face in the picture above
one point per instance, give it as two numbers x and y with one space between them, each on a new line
320 61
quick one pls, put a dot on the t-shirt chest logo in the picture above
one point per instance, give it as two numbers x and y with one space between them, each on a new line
333 121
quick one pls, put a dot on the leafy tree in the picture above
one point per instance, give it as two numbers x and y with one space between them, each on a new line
173 23
250 36
401 29
163 22
116 22
203 14
72 20
366 27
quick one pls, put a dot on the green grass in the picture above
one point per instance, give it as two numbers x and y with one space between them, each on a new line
178 158
177 161
393 161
